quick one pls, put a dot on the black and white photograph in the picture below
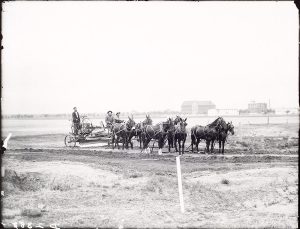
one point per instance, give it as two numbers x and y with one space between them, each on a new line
149 114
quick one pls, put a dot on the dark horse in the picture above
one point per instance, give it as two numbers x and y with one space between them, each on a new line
171 133
157 132
180 135
138 131
209 133
135 132
122 130
223 133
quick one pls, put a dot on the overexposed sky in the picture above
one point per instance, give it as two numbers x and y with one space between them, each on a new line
147 56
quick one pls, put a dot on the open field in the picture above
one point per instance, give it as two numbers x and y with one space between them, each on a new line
255 184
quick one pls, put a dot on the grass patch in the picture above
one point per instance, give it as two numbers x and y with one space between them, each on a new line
243 143
65 183
160 185
132 174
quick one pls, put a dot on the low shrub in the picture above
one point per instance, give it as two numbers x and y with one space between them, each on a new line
225 181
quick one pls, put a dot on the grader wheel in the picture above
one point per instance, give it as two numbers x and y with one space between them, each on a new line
70 141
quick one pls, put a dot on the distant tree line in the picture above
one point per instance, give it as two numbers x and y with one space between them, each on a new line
90 115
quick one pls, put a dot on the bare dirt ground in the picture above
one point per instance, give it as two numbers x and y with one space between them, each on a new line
255 184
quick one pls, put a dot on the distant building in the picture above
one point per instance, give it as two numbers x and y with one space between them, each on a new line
196 107
257 107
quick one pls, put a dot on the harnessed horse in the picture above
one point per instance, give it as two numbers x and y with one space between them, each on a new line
138 130
223 134
122 130
180 135
208 133
157 132
171 133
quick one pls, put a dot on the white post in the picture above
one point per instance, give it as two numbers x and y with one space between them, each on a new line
5 142
179 183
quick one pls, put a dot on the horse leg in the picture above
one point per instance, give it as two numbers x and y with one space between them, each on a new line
140 139
212 146
169 143
129 141
223 143
207 145
197 145
117 142
146 144
124 143
173 140
113 141
179 145
183 142
160 145
175 143
143 139
192 142
220 144
131 144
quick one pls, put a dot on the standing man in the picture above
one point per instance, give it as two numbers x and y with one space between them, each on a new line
76 120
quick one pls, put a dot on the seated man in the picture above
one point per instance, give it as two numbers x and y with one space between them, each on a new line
109 119
117 119
76 120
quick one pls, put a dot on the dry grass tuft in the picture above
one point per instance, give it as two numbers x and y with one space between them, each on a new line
225 181
30 181
64 183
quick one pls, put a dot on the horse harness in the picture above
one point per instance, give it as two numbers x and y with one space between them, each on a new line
155 133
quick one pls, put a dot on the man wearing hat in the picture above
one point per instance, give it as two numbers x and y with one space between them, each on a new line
109 119
76 120
117 119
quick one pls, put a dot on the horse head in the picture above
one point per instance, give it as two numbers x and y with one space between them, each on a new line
147 121
182 125
130 123
169 124
177 119
219 124
230 127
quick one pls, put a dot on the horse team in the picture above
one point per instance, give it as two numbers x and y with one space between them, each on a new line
172 131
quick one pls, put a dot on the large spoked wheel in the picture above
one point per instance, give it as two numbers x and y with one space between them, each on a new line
70 141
